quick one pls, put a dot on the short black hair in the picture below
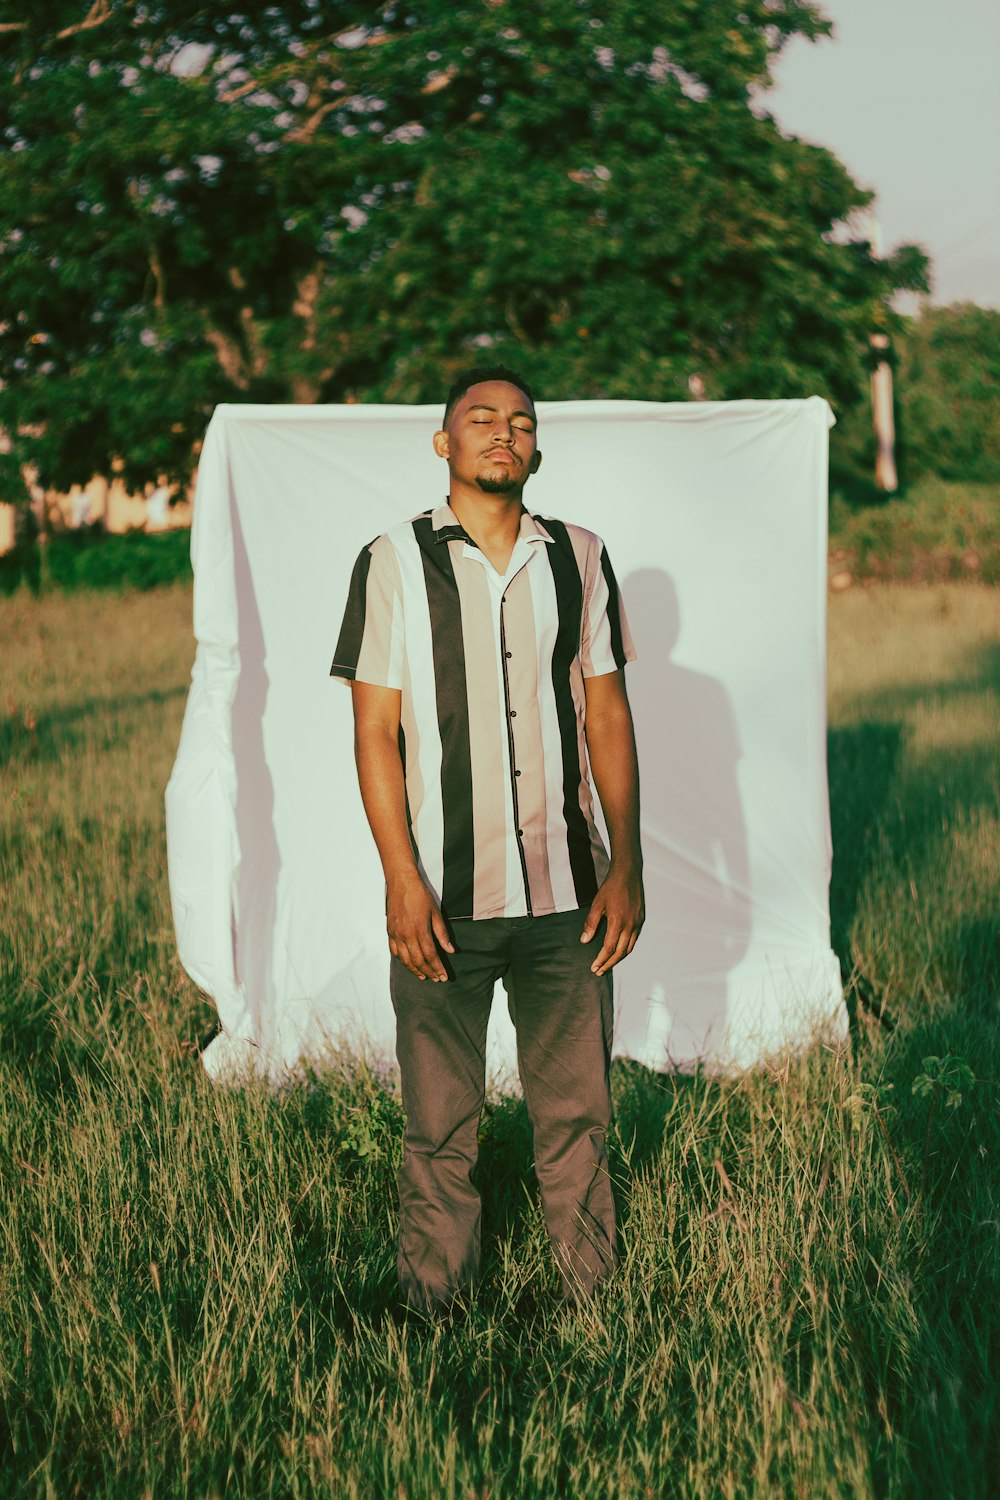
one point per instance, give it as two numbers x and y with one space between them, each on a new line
479 373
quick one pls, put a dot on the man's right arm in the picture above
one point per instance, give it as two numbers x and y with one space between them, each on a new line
413 919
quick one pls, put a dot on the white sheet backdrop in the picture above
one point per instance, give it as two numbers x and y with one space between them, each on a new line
714 514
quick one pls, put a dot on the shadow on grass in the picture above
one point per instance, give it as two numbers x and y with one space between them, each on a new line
58 733
505 1173
903 810
862 766
942 1183
982 675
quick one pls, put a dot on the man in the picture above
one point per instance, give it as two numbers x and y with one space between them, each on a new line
485 647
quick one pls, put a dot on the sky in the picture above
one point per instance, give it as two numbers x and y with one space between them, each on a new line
907 94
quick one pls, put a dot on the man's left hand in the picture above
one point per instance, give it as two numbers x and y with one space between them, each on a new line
620 899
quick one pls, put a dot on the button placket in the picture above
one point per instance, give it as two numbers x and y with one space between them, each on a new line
514 771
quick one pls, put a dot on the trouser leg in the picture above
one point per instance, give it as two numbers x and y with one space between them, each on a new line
441 1050
564 1016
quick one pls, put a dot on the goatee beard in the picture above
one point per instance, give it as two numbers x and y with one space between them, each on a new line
498 486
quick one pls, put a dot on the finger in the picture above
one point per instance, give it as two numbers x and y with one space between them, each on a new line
631 943
407 958
393 947
441 931
429 957
593 921
618 952
610 939
616 946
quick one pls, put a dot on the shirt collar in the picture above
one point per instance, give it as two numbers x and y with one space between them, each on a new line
448 528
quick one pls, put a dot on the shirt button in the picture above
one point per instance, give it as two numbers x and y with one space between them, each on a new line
520 833
517 773
513 713
506 653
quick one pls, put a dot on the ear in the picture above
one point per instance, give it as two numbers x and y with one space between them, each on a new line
536 462
440 441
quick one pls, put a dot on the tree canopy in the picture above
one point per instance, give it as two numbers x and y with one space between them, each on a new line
948 392
317 201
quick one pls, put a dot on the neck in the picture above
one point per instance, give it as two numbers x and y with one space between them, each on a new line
489 518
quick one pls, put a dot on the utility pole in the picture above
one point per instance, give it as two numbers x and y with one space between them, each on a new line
881 388
885 432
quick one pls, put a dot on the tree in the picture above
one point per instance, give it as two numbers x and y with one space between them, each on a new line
319 201
948 380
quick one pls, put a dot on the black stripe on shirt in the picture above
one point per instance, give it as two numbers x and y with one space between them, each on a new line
352 630
569 598
448 646
614 610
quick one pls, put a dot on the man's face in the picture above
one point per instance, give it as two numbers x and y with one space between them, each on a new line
491 439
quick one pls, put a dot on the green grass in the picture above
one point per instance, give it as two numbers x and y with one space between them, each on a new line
197 1284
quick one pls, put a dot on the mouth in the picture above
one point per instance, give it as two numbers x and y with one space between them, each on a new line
502 454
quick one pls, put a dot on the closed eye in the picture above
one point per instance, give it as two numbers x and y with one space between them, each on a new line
485 422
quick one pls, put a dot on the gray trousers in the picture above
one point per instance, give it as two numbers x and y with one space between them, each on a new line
563 1017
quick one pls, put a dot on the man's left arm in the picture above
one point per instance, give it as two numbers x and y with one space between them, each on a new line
615 767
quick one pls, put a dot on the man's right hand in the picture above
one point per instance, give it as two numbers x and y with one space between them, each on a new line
413 921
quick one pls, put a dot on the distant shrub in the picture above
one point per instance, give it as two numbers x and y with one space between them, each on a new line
938 530
87 559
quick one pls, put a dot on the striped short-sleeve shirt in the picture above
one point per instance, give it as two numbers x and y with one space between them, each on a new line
491 673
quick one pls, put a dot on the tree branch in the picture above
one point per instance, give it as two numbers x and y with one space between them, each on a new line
98 13
304 306
159 281
239 91
229 355
306 131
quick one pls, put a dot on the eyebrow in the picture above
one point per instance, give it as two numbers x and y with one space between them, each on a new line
481 406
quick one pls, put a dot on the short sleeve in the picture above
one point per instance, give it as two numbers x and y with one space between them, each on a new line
370 646
606 642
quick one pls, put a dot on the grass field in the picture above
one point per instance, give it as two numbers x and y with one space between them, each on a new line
196 1289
